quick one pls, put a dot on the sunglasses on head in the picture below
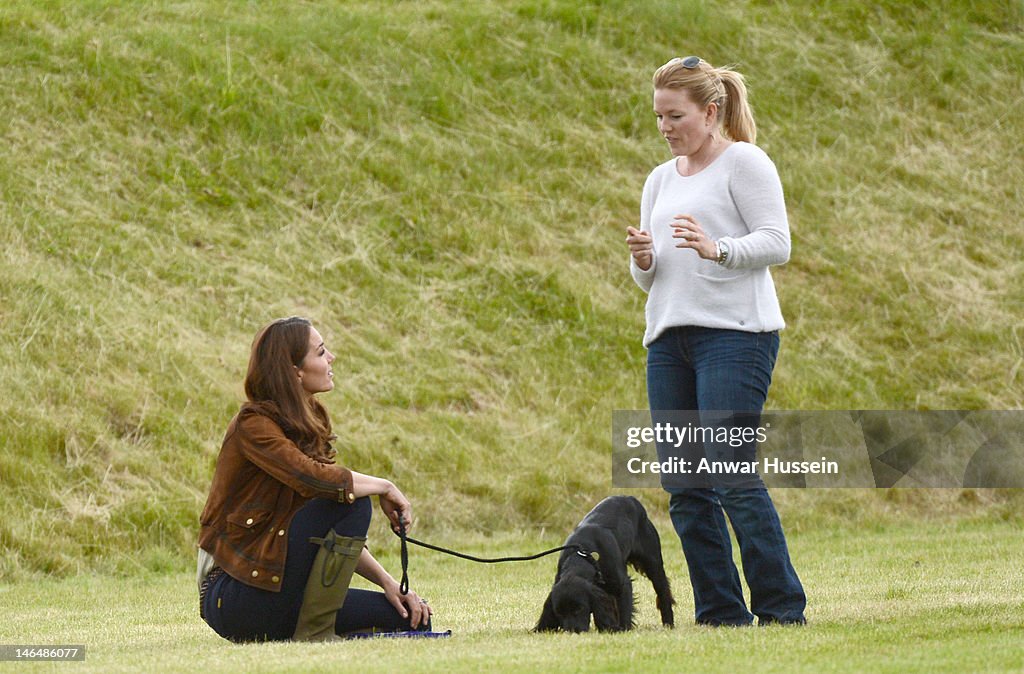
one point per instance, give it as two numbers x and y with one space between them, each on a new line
691 62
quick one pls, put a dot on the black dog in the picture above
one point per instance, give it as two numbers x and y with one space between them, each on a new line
592 577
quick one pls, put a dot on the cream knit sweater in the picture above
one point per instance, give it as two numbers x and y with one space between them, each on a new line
737 200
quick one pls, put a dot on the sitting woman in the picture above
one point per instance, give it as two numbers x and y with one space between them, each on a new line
284 527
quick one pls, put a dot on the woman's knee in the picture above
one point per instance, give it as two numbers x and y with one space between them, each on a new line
363 508
347 519
354 518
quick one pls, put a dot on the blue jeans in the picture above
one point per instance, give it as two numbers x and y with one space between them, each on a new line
694 368
240 612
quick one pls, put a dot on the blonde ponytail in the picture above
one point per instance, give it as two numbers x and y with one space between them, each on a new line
734 111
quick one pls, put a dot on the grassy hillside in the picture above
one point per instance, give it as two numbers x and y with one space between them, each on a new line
444 187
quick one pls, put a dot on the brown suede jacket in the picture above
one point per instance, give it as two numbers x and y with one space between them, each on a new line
261 480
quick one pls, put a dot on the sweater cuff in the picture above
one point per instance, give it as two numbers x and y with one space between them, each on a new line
643 277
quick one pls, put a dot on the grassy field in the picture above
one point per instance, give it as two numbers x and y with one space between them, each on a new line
443 188
910 598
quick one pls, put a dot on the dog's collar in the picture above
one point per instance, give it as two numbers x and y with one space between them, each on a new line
592 557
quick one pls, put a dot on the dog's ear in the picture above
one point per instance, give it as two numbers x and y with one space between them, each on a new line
548 620
606 610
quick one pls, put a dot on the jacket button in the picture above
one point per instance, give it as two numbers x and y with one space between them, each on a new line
281 532
276 579
249 521
255 573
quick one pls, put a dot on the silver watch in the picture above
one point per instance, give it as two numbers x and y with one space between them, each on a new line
723 252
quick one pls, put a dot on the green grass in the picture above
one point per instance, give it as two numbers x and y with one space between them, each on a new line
941 597
444 187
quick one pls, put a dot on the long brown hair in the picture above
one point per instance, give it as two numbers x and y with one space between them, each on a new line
272 386
722 86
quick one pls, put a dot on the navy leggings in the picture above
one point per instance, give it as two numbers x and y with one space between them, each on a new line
240 612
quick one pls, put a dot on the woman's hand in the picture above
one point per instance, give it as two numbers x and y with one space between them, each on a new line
408 605
691 235
396 508
641 246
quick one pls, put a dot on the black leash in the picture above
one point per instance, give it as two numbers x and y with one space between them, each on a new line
404 586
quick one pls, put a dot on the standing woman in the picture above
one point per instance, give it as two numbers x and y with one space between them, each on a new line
284 527
712 220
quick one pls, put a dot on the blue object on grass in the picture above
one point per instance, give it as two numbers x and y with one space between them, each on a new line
410 634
